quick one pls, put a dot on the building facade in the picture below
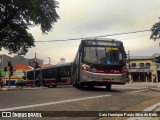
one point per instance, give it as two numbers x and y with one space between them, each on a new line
19 73
4 59
143 69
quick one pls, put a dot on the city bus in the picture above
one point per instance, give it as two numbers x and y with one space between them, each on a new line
50 76
99 62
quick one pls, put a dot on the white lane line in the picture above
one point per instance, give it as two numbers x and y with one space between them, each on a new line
52 103
139 91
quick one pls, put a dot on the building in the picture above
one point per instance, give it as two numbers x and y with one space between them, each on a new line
17 59
143 68
62 61
31 62
20 65
19 71
4 59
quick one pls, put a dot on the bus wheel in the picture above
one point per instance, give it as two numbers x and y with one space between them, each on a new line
80 86
37 85
90 86
108 87
54 86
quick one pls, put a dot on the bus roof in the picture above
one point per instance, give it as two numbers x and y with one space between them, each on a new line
101 39
53 66
101 42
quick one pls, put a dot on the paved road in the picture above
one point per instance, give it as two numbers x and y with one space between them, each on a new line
67 98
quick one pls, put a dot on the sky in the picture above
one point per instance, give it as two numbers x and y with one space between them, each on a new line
90 18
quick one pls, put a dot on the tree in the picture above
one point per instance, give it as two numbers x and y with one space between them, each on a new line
155 31
19 15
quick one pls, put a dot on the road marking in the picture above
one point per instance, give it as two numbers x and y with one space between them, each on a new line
139 91
52 103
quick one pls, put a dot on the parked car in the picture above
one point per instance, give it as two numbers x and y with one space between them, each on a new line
1 81
21 83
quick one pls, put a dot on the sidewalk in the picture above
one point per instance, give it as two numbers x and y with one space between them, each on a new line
6 88
154 108
144 107
9 88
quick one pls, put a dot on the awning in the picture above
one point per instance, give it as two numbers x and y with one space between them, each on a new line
139 70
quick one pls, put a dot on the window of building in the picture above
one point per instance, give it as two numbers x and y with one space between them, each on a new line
141 65
133 64
148 65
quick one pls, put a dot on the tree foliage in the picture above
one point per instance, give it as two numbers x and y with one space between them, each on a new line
16 16
155 31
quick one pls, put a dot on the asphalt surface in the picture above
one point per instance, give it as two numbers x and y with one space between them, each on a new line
68 98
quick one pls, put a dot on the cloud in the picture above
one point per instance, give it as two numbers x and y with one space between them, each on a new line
86 18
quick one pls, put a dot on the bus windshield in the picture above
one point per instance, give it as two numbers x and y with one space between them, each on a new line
104 55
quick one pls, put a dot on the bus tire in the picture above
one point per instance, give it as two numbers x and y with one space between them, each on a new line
90 86
108 87
54 86
37 85
80 86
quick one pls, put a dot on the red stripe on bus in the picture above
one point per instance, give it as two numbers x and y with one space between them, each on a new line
63 80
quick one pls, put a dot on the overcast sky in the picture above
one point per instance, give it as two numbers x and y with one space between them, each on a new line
89 18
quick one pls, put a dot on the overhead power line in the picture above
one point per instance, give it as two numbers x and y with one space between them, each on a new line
96 36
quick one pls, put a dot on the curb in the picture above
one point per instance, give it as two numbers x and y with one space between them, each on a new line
155 89
8 89
21 88
3 89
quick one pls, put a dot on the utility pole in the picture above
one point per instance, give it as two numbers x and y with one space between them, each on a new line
10 68
35 61
129 65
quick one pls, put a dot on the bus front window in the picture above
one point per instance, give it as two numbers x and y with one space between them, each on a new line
103 55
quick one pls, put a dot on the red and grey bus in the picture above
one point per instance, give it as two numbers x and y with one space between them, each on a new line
50 76
99 62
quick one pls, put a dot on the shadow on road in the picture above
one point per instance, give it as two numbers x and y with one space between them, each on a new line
98 89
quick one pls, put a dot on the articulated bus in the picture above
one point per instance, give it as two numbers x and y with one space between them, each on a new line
50 76
99 62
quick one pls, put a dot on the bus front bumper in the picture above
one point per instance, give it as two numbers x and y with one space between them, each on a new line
101 79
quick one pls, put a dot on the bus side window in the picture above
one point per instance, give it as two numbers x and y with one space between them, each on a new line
54 73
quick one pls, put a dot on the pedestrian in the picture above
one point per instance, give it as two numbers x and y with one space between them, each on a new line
130 78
